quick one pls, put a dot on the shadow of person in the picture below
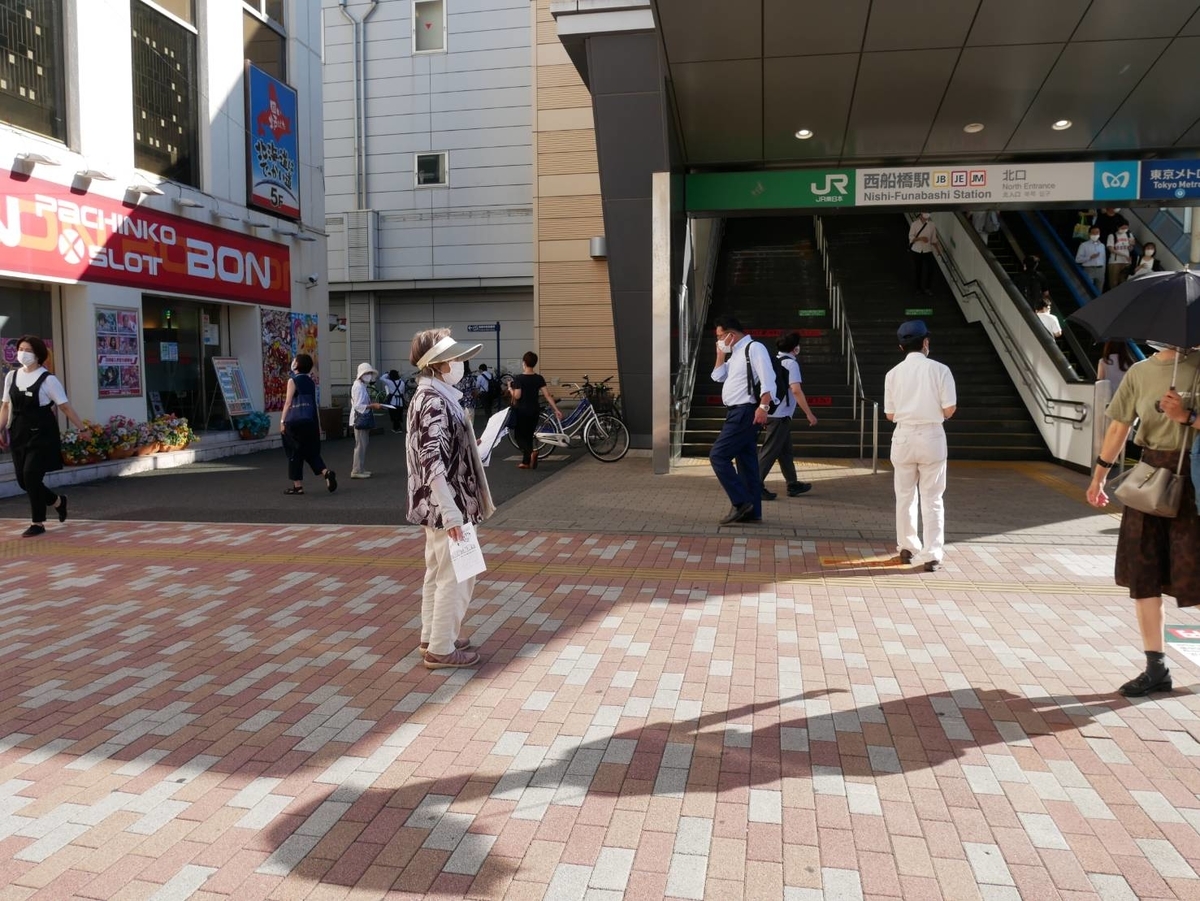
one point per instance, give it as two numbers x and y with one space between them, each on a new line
720 752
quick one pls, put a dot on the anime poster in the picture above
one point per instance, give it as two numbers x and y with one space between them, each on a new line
273 152
9 359
118 353
277 357
304 341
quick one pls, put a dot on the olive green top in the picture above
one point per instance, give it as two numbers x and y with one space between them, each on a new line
1144 384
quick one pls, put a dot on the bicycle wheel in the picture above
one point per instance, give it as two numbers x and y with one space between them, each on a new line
606 438
544 449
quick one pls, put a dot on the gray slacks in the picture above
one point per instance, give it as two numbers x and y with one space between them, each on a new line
777 445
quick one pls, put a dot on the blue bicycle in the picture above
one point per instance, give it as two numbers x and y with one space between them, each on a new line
604 434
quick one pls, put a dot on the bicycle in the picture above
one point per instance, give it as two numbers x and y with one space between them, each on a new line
606 437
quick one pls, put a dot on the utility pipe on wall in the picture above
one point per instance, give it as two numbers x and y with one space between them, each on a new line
359 43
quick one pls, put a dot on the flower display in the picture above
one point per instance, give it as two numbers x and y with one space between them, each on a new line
89 444
123 433
253 425
173 431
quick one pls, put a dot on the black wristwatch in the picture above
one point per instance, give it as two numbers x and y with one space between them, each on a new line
1191 420
1104 464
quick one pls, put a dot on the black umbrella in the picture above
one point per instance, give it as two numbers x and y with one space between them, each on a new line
1159 306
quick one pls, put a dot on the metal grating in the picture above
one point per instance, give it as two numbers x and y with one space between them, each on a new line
31 66
360 245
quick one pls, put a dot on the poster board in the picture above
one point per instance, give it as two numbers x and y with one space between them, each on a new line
272 157
118 352
232 382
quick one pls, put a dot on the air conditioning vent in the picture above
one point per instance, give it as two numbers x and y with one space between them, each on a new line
360 245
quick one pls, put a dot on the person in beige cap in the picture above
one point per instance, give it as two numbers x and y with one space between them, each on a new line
447 487
362 418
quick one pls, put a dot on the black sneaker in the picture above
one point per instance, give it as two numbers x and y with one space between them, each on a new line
798 488
62 508
331 480
33 530
768 495
1146 684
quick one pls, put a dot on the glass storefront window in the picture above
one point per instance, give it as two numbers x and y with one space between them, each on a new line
165 127
31 66
180 338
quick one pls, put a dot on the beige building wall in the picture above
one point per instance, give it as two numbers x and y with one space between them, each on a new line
573 323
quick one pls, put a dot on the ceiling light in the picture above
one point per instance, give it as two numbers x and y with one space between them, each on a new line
186 201
37 158
1061 125
230 216
973 128
95 175
142 188
804 134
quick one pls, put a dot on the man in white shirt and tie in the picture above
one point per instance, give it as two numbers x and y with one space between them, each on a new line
748 385
919 395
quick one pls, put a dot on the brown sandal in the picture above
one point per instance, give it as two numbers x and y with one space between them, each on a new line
462 644
453 660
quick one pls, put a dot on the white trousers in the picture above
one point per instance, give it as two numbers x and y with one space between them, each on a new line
919 465
444 599
362 437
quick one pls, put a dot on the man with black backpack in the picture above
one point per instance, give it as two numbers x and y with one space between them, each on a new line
788 396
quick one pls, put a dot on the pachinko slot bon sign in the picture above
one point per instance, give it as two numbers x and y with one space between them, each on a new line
47 231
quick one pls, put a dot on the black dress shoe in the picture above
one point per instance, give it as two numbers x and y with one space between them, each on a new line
906 557
750 517
736 513
768 495
1146 684
62 508
933 566
33 530
798 488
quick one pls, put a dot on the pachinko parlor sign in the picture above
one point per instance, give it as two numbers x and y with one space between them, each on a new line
46 231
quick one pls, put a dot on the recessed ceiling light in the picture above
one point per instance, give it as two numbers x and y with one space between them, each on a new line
973 128
804 134
1061 125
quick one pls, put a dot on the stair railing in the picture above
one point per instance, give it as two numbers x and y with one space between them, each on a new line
693 312
858 400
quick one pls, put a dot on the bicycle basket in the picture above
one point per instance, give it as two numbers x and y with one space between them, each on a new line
600 397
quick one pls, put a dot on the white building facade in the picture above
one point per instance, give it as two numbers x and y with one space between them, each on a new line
429 176
136 236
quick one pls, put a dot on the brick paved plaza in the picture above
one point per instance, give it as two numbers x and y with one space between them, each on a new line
667 710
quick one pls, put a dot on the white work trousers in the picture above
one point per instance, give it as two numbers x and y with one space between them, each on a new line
919 464
444 599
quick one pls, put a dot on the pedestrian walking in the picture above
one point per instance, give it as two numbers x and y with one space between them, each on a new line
1091 255
447 487
300 428
29 426
918 396
525 391
789 395
747 386
393 390
362 418
488 386
1156 555
922 242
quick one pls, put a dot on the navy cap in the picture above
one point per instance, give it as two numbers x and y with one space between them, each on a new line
911 331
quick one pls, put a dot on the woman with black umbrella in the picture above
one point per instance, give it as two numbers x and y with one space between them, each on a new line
1156 555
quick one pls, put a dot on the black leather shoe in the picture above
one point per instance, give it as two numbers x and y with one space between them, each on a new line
768 495
933 566
750 517
906 557
735 514
62 508
1146 684
798 488
34 530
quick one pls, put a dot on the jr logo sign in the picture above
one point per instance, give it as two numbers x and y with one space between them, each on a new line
833 182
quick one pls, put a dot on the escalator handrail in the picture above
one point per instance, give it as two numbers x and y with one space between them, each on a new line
1079 273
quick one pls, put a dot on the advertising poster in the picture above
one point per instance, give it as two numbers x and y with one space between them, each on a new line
304 341
10 356
48 232
118 352
277 357
272 154
233 385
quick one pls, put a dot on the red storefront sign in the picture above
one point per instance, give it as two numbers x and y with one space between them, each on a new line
48 231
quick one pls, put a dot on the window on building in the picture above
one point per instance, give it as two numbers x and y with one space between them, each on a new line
31 66
429 26
431 169
165 125
264 40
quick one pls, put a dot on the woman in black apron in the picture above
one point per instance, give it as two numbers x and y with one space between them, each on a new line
29 426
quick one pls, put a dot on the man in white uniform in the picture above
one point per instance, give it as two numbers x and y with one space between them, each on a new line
919 395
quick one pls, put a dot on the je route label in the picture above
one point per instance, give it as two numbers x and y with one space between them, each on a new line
1185 640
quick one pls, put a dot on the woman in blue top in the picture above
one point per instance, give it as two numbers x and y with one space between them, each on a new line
299 427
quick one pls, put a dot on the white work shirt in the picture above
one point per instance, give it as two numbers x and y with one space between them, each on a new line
1052 324
1091 254
733 373
916 391
915 231
52 391
787 406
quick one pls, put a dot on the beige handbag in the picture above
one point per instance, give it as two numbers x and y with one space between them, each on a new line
1153 489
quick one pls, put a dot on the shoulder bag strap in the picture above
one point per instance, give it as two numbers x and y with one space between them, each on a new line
1186 428
750 375
918 234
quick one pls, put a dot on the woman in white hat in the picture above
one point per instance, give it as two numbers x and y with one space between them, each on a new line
362 418
447 487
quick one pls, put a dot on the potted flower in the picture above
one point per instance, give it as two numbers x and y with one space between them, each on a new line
147 439
123 437
173 432
87 445
253 425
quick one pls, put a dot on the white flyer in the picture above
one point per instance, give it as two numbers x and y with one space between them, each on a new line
492 433
467 555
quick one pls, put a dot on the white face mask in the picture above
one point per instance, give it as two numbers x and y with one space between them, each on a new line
457 368
1149 251
1094 237
26 357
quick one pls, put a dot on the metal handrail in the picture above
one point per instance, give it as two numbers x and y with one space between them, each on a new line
691 327
837 307
1011 346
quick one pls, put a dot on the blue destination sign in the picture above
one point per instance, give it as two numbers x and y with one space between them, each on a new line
1170 179
492 327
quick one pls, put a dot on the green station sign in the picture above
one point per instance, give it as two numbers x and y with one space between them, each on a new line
769 190
919 311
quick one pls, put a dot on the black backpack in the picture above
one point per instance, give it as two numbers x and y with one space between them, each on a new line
782 378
